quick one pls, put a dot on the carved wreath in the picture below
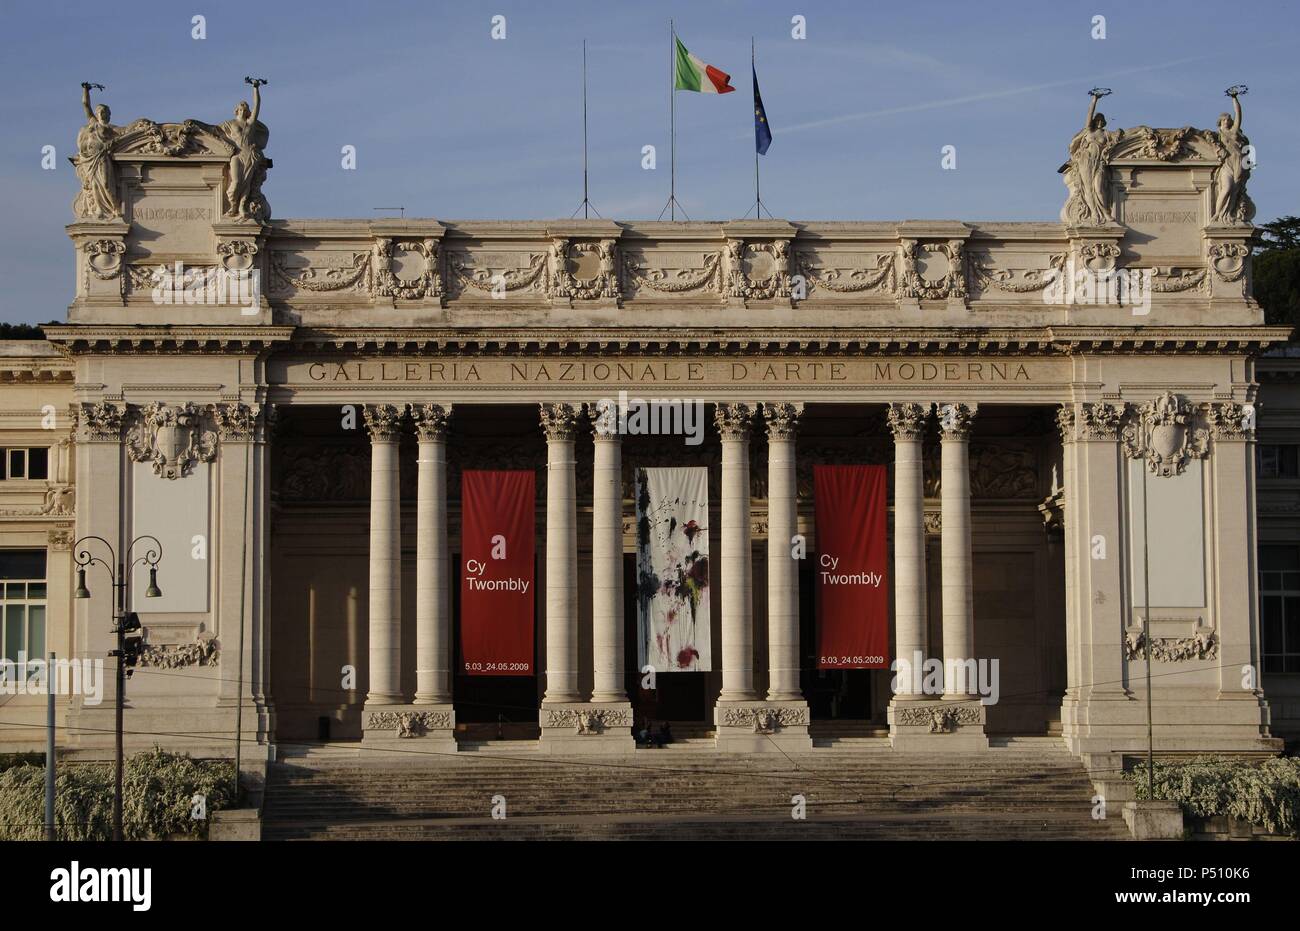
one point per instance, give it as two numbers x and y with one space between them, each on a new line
387 283
950 284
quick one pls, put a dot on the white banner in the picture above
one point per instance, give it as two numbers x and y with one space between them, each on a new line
672 569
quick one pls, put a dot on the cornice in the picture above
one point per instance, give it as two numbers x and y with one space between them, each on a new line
81 339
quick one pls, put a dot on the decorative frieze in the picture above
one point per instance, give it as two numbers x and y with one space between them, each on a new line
940 719
764 719
588 721
174 438
1165 431
176 656
1204 644
758 270
1010 281
677 281
406 724
880 278
387 283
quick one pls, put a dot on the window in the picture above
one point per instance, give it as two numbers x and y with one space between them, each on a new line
1277 460
22 603
1279 595
33 463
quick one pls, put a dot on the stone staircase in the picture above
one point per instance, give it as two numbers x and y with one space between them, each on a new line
1018 792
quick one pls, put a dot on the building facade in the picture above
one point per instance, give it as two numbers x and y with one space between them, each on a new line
1089 462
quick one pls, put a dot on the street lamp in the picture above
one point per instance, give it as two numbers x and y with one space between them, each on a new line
123 623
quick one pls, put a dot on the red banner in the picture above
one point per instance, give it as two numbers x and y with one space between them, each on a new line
497 588
852 567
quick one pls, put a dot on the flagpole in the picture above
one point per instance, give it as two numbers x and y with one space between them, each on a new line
758 198
586 201
672 120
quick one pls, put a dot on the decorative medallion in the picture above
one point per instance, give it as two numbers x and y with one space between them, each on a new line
1165 433
173 438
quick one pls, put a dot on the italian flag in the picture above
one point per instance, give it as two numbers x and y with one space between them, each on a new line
695 75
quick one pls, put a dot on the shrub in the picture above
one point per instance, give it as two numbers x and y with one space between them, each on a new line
10 760
157 792
1266 794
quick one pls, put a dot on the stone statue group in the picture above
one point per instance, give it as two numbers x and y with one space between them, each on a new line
1091 149
245 134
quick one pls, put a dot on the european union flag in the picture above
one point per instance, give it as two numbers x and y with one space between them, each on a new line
762 131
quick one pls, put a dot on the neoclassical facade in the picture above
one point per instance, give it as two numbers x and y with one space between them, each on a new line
1067 412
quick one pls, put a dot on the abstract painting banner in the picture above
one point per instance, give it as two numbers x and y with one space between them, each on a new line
852 567
672 569
496 572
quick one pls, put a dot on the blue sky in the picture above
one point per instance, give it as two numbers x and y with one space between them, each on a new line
449 123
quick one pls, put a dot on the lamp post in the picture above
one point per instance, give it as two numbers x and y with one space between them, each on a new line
123 623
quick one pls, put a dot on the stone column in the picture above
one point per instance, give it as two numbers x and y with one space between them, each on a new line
99 512
607 558
383 422
782 571
907 422
560 423
240 522
432 570
733 422
955 423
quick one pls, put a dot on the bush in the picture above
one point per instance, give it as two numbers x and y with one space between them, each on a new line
10 760
157 792
1266 794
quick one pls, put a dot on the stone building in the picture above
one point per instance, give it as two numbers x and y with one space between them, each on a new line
1082 422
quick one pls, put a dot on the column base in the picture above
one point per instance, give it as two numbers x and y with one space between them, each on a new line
756 725
923 723
584 728
431 728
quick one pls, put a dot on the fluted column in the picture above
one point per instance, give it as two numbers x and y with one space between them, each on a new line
383 422
907 422
782 422
955 423
432 574
607 557
733 423
559 423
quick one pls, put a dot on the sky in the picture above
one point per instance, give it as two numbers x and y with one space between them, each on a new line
449 122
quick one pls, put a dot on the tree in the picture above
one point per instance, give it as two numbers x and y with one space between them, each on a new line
1277 271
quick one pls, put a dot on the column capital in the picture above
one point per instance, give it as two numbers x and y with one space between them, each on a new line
734 420
604 420
383 422
907 421
782 419
431 420
1100 421
1231 421
236 422
559 420
1065 419
100 421
956 420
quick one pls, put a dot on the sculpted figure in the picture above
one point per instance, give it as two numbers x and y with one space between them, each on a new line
1230 205
1086 172
244 200
94 162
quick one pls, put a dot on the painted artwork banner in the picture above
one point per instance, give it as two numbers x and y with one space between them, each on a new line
852 567
497 584
672 569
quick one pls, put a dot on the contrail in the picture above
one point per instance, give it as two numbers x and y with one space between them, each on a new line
988 95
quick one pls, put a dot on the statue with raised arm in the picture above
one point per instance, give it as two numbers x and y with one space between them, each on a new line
98 199
247 170
1086 173
1230 205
